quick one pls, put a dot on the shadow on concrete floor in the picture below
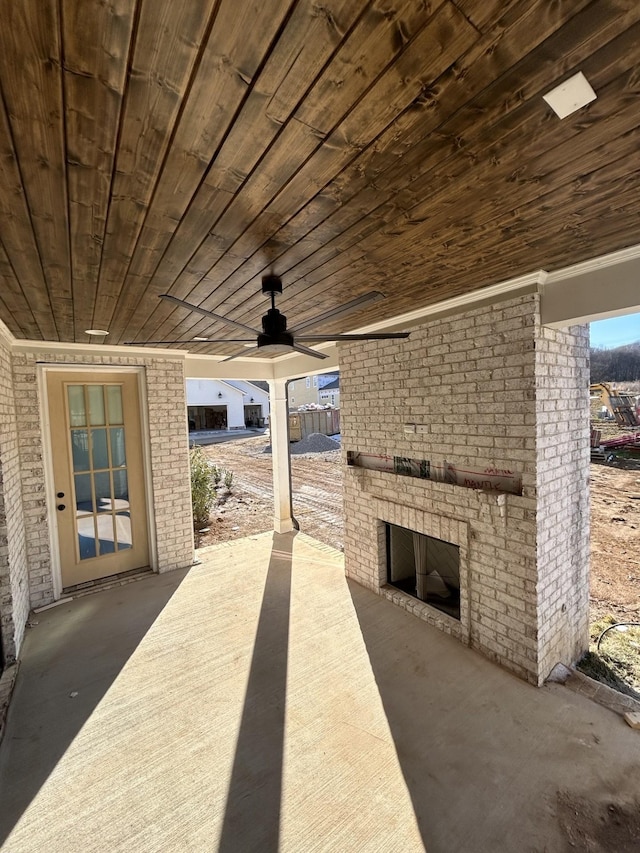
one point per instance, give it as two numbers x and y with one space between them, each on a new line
49 679
469 734
391 736
255 787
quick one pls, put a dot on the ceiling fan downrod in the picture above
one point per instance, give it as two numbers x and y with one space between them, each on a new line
274 323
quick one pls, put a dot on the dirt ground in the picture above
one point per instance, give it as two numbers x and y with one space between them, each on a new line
603 824
317 500
317 492
615 541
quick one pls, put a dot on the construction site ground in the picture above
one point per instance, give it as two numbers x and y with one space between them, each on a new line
615 540
317 501
317 492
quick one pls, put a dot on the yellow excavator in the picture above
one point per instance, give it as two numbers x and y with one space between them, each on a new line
620 405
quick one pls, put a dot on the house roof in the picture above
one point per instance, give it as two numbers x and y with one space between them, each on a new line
325 379
187 148
334 385
249 387
263 386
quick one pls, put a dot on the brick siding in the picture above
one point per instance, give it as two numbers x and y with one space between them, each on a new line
171 525
478 383
14 583
563 493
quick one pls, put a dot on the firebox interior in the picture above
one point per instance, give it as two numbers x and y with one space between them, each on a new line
424 567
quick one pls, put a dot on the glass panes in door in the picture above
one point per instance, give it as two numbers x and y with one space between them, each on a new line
100 475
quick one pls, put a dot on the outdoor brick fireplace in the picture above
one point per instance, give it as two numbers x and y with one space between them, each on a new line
473 433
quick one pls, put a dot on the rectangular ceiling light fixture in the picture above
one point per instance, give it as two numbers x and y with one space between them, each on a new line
570 96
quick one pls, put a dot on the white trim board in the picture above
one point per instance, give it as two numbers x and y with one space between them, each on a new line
20 345
594 290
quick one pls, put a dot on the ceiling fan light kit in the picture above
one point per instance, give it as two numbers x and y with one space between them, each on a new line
275 338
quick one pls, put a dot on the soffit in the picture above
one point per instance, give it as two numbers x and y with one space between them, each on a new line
151 147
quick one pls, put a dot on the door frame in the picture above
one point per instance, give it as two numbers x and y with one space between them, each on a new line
47 457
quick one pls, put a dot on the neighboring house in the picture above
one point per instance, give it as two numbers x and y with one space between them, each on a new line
216 404
255 400
213 404
330 394
307 390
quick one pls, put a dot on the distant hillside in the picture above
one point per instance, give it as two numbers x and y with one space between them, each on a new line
621 364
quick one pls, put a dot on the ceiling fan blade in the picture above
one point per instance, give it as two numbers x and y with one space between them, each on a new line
243 351
198 310
307 351
190 341
391 336
365 299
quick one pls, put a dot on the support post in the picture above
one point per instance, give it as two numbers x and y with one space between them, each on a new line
279 431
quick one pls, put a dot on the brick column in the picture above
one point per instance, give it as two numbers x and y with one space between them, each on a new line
562 508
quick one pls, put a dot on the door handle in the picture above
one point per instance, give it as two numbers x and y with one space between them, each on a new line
61 507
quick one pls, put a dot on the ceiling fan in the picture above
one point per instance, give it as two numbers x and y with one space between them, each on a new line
275 338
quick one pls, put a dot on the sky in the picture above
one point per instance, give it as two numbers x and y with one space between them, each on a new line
616 332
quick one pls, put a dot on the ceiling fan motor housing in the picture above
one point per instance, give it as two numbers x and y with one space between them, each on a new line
274 329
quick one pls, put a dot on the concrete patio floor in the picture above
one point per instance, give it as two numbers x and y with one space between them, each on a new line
259 702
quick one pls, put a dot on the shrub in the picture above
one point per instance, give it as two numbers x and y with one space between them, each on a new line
216 473
203 491
228 479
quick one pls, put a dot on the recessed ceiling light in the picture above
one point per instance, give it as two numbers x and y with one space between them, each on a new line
570 96
248 346
99 333
201 339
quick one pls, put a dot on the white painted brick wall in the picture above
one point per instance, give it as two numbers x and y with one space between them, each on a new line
563 493
475 381
14 584
172 525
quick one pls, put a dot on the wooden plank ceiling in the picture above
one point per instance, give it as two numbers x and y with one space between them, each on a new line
152 146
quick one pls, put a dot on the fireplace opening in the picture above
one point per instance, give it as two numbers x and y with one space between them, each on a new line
424 567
